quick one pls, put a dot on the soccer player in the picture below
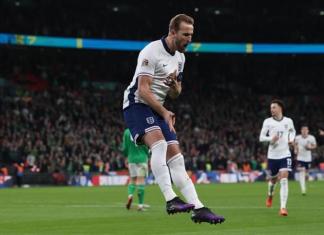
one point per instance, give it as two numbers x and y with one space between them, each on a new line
137 158
159 73
304 144
280 132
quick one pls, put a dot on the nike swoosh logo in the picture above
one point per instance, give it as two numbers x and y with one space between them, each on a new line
164 65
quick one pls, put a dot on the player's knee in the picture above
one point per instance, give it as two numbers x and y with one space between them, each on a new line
158 150
140 180
284 180
176 161
160 146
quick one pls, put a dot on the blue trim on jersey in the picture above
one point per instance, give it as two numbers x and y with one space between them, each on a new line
180 77
132 90
165 45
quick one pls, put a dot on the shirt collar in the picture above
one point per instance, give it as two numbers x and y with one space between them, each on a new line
165 45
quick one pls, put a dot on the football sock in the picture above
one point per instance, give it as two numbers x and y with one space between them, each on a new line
302 181
131 189
283 192
271 188
182 181
160 169
140 193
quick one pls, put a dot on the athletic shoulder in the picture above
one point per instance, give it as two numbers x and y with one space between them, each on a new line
312 137
267 120
288 119
153 46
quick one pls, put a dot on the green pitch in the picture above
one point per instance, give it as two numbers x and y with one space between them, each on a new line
100 210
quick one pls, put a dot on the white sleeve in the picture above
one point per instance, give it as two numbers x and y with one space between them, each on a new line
292 131
264 132
146 62
313 140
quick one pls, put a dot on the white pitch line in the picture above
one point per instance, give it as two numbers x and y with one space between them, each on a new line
120 205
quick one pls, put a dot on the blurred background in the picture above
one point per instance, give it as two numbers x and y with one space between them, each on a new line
61 104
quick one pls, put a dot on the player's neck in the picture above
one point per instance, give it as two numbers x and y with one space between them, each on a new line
170 45
278 117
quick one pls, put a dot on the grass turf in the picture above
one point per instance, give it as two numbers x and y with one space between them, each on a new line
101 210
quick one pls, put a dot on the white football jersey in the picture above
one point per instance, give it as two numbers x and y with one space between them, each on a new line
285 129
157 61
304 154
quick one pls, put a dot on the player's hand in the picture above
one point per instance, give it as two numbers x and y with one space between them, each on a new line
308 147
275 139
169 117
171 80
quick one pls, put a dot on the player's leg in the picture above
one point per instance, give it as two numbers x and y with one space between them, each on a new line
271 188
161 173
283 177
302 177
184 183
131 189
273 169
144 128
180 177
140 183
158 146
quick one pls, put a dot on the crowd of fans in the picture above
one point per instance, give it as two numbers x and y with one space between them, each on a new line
71 126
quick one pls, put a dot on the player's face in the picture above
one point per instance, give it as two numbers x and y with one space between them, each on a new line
275 110
183 36
304 130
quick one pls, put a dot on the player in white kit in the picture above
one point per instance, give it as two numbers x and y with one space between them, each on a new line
280 132
158 75
304 144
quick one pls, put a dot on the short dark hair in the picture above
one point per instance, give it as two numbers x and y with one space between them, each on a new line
176 21
279 102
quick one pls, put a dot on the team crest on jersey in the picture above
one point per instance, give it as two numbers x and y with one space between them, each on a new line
150 120
286 126
145 62
179 66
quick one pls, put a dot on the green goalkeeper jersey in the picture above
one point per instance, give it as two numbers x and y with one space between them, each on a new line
135 154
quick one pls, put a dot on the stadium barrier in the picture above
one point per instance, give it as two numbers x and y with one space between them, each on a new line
5 181
132 45
199 177
122 178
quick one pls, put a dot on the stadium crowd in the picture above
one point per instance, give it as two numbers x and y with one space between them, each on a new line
62 108
66 126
